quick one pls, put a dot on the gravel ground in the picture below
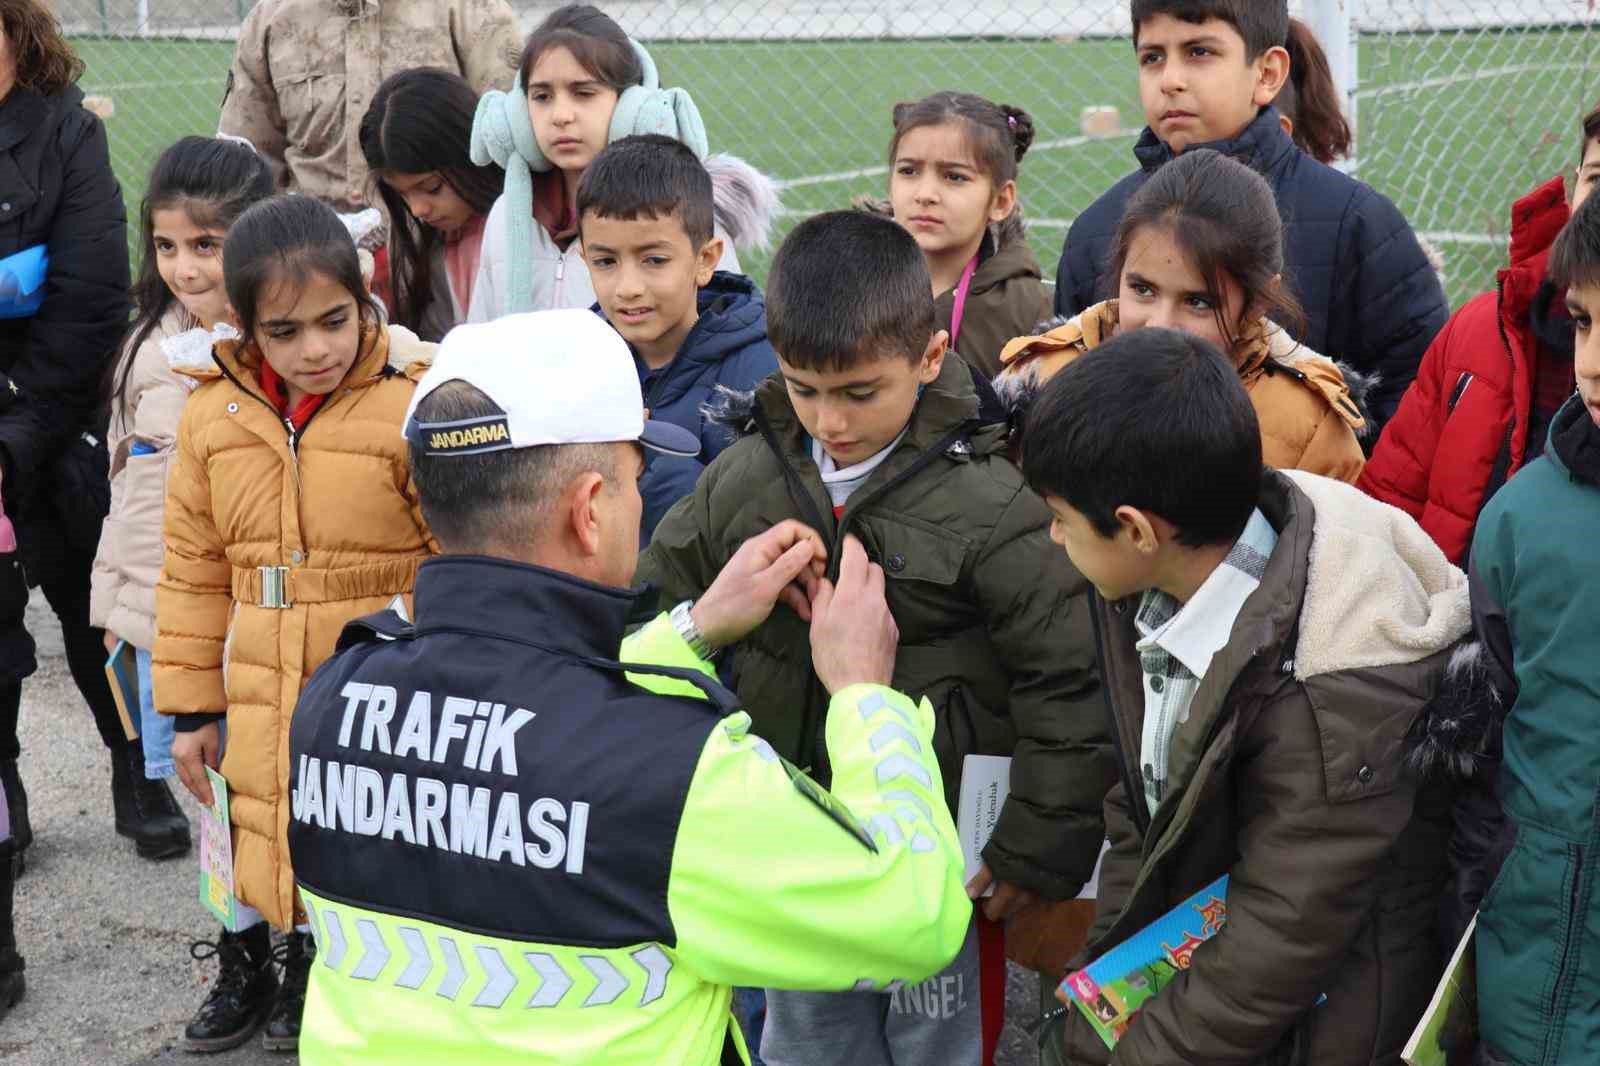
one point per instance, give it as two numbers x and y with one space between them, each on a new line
106 934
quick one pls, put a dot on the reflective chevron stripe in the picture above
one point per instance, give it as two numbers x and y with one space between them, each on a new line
370 947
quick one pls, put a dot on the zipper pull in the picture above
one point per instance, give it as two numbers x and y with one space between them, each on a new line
561 269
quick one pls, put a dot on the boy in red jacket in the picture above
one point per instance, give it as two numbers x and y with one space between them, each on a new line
1490 382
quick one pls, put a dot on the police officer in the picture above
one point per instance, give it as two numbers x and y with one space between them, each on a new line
512 847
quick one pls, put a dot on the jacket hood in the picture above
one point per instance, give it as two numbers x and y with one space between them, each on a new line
1574 443
1536 220
1410 603
1030 362
733 317
1262 144
204 355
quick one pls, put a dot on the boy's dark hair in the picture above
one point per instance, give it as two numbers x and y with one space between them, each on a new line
1575 258
420 121
288 238
1155 419
1591 131
1310 99
213 181
1263 24
649 176
492 501
847 286
595 40
1223 216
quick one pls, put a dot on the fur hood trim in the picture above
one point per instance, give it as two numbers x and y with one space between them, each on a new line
744 199
1458 734
732 409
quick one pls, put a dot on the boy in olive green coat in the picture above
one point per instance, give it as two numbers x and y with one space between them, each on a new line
873 428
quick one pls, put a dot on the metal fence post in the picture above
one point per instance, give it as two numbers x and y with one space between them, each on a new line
1338 26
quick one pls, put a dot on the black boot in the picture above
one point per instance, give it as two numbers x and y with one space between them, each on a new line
296 954
17 804
12 982
145 809
242 995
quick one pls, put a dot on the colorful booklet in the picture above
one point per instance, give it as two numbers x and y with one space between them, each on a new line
1113 988
122 672
216 860
1451 1020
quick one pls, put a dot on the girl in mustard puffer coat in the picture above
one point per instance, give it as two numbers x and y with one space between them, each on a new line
290 511
1200 249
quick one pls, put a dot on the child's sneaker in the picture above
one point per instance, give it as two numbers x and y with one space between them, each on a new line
295 955
243 994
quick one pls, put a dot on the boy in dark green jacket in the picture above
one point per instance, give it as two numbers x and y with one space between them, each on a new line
1536 607
873 428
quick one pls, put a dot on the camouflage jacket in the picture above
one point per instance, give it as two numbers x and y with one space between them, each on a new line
305 71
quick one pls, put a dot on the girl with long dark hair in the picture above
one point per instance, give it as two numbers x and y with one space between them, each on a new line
416 137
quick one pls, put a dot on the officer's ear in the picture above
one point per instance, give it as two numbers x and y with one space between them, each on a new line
583 512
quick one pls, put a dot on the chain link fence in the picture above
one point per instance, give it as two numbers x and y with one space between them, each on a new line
1461 105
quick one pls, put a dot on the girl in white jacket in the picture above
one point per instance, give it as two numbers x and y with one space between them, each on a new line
582 84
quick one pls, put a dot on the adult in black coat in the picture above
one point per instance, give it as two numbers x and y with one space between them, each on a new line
1372 298
57 190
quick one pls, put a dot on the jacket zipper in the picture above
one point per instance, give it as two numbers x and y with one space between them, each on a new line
1572 925
286 422
811 736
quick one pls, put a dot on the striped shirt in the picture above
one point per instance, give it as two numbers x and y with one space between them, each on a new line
1177 641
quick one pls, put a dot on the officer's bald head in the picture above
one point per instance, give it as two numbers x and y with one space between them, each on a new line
500 503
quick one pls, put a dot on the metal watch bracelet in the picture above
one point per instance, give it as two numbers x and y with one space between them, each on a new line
683 622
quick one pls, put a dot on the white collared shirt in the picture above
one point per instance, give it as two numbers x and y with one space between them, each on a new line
1177 642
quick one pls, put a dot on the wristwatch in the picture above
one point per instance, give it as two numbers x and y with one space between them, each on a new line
683 622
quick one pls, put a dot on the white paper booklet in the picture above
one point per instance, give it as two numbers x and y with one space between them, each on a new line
985 784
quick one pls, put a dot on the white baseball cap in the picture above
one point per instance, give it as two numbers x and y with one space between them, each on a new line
558 377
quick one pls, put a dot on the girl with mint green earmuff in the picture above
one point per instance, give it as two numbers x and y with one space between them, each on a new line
583 83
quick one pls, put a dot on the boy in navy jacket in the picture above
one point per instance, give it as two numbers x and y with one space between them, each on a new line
1208 73
645 216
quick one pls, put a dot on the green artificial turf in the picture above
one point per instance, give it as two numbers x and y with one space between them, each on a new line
1495 113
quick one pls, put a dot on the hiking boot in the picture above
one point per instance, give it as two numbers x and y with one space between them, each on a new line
242 995
145 809
295 955
12 982
17 805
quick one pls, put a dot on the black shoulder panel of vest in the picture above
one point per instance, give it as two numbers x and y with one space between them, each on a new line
385 625
490 786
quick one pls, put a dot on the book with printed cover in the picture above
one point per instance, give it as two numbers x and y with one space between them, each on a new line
216 860
1111 989
122 674
1451 1020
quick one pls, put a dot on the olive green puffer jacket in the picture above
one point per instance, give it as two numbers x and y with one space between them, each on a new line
994 624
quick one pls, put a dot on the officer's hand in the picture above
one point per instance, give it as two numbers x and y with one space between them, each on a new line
853 635
193 752
784 563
